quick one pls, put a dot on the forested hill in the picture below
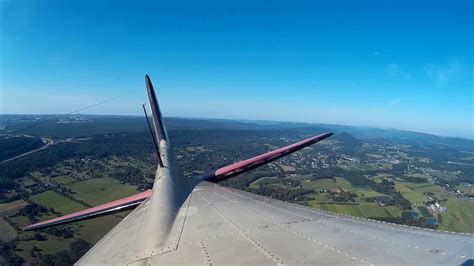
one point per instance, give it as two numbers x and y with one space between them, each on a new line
14 146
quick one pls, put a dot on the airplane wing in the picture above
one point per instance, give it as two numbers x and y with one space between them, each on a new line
195 221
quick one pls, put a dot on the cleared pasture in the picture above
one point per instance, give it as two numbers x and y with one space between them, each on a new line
56 201
96 191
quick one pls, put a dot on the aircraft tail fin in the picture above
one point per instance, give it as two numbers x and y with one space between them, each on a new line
158 123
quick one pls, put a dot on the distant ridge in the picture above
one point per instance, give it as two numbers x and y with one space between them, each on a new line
98 124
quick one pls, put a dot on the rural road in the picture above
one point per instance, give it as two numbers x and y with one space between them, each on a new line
48 142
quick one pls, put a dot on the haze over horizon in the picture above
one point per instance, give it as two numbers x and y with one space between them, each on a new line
250 121
404 65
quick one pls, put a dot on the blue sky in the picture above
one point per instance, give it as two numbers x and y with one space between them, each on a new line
390 64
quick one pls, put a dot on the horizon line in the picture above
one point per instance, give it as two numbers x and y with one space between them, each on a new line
471 138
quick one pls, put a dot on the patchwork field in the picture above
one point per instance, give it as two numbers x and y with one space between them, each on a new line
64 179
20 221
393 210
417 191
6 231
320 184
56 201
26 181
373 210
11 207
96 191
459 216
52 245
365 210
410 194
263 181
93 230
361 192
424 211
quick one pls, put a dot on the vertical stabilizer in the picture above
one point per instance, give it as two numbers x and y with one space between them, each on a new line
163 220
158 122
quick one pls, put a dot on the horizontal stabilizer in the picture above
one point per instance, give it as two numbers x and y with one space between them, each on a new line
241 167
104 209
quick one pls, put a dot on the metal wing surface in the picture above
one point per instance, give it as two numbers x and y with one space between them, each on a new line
221 226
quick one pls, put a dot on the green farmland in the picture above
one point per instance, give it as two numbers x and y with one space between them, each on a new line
364 210
459 216
97 191
56 201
